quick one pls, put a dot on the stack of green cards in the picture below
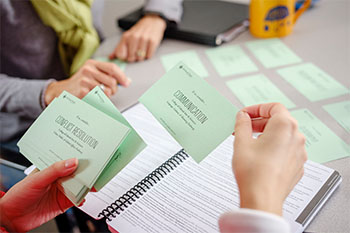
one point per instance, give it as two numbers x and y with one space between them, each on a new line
191 110
92 130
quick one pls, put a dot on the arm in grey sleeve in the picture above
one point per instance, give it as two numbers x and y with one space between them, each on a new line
170 9
22 96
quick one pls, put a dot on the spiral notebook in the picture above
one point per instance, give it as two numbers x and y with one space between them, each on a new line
165 190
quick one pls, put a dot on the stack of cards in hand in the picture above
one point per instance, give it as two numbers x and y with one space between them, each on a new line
95 132
92 130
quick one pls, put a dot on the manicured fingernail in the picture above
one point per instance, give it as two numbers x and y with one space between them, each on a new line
70 163
128 81
241 114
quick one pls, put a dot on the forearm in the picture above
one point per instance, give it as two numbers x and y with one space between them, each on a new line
21 96
170 9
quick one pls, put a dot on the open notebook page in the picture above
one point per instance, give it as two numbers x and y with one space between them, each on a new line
160 147
193 196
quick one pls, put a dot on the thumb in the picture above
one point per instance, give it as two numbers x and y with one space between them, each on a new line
243 127
57 170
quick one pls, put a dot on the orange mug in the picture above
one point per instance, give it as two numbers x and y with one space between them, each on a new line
274 18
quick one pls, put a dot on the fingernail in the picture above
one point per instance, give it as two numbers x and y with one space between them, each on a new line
70 163
128 81
241 114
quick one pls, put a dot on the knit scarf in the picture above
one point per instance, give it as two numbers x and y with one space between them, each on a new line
72 22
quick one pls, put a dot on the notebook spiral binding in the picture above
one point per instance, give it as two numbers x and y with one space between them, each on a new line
145 184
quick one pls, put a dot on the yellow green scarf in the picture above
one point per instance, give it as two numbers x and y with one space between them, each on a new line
72 22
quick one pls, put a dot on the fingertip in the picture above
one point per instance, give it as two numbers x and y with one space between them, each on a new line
127 82
242 115
70 163
111 56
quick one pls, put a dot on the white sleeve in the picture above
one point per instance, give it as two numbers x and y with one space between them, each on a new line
252 221
170 9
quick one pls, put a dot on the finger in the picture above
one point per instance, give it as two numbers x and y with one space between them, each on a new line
281 126
265 110
107 80
64 203
142 49
35 170
243 128
258 125
90 83
114 71
133 44
108 91
120 51
57 170
152 46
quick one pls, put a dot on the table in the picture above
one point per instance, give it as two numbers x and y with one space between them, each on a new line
321 36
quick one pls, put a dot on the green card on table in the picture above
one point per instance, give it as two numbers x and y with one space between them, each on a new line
272 53
231 60
340 112
190 58
257 89
322 144
312 82
191 110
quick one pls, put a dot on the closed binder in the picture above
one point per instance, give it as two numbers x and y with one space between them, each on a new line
205 22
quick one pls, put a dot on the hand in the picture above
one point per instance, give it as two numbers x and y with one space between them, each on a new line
267 168
36 199
142 40
90 75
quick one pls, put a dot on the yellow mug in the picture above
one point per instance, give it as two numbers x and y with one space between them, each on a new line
274 18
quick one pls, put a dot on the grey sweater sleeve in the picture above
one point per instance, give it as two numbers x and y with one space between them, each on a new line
22 96
170 9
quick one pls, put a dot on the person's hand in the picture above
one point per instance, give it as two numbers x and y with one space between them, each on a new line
142 40
90 75
36 199
267 168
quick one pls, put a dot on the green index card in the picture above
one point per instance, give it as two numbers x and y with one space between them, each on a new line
340 112
192 111
230 60
130 147
121 64
190 58
68 128
257 89
312 82
322 144
272 52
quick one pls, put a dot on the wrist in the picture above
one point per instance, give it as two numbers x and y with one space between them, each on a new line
156 18
50 93
261 201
